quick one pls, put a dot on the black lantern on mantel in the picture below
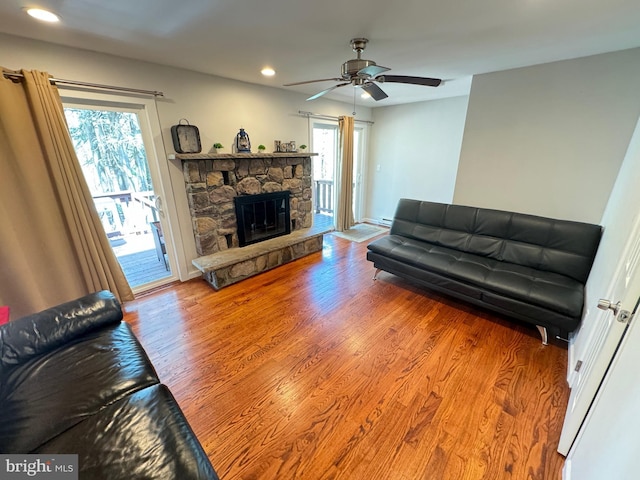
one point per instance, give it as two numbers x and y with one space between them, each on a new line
243 144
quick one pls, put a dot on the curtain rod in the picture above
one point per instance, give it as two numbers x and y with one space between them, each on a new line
61 81
302 113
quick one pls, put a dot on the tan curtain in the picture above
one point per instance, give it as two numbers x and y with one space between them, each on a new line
344 178
53 247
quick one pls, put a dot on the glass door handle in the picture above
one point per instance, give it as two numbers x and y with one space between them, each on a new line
158 202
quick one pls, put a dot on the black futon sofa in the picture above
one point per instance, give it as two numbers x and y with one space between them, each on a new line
527 267
75 380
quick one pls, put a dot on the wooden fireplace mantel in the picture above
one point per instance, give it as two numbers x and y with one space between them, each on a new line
225 156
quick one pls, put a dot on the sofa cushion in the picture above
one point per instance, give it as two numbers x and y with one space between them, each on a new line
558 246
44 331
538 287
144 435
49 393
530 313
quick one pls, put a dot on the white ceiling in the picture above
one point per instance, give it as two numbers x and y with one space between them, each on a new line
305 40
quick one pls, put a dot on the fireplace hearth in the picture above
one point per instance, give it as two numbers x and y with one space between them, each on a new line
263 216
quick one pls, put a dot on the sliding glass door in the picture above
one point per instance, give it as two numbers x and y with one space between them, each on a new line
112 141
325 143
359 143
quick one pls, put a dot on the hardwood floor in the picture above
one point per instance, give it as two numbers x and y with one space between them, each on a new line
314 371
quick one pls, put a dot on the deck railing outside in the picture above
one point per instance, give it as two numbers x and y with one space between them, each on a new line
127 218
126 212
324 196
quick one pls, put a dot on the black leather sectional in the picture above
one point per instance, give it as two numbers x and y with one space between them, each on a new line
75 380
527 267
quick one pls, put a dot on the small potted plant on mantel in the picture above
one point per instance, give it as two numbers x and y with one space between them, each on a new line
261 148
302 147
217 147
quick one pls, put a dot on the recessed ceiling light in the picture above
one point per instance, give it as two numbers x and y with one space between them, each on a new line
268 72
44 15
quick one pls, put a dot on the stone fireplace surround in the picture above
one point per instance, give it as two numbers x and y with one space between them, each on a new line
213 180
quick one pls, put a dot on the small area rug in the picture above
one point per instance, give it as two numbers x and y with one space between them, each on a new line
361 232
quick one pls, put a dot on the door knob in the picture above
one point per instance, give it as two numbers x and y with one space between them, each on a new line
604 304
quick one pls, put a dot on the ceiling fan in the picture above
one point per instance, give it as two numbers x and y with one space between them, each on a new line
365 73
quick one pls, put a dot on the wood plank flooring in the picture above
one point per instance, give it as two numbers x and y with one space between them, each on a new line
314 371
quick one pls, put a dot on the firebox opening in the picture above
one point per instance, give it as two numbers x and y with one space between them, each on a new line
261 217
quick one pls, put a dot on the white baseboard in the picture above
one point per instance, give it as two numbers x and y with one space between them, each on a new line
384 222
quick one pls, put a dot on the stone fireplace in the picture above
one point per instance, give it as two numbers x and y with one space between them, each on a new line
213 181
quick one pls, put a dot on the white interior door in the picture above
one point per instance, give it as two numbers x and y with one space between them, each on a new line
613 324
607 445
615 277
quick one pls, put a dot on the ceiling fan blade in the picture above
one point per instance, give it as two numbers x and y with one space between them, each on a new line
324 92
428 82
372 70
375 91
314 81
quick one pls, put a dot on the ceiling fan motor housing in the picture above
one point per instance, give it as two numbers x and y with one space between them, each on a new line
350 68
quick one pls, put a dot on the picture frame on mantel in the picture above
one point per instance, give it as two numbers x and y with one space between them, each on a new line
284 147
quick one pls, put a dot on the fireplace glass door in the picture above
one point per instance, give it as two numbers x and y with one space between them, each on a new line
262 216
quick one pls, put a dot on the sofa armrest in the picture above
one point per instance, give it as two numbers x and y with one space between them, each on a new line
44 331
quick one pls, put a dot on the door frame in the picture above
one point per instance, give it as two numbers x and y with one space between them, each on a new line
151 131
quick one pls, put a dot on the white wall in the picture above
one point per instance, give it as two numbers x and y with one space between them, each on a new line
414 151
549 139
218 106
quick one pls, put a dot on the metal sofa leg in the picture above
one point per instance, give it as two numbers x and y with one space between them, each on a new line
543 334
375 275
